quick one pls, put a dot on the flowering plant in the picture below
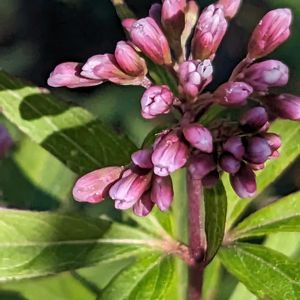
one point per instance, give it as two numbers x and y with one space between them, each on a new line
218 138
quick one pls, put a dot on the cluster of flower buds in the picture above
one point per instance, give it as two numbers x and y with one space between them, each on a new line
184 43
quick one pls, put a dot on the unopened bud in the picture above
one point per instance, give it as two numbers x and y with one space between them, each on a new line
230 7
271 32
68 74
234 145
254 119
194 75
142 158
256 167
266 74
201 165
233 93
147 36
273 140
94 186
157 100
155 13
199 137
162 192
169 154
209 32
127 23
229 163
257 150
244 182
143 206
285 106
210 180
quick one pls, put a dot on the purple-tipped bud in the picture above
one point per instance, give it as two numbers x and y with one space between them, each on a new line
129 61
285 106
162 192
147 36
157 100
230 7
142 158
144 206
194 75
210 180
233 93
273 140
234 145
229 163
244 182
275 155
254 119
199 137
130 188
257 150
155 13
68 74
266 74
271 32
6 141
209 32
169 154
173 18
201 165
94 186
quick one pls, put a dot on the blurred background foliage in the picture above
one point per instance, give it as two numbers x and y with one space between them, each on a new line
37 35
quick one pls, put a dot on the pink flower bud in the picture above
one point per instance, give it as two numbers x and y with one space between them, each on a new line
127 23
201 165
285 106
147 36
199 137
155 13
130 188
194 75
209 32
129 61
210 180
68 74
173 18
271 32
169 154
229 163
234 145
6 141
244 182
254 119
94 186
257 150
162 192
105 67
266 74
273 140
142 158
144 206
233 93
157 100
230 7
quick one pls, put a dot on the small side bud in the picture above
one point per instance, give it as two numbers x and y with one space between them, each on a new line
157 100
94 186
162 192
201 165
271 32
169 154
127 23
199 137
144 206
233 93
142 158
257 150
274 140
68 74
148 37
210 180
209 32
234 145
285 106
155 13
266 74
230 7
244 182
194 76
229 163
254 119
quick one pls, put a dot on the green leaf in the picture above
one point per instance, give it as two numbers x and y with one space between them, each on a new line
37 244
290 134
212 277
241 292
265 272
281 216
148 278
70 133
215 216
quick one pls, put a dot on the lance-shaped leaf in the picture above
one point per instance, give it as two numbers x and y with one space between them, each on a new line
70 133
290 150
215 216
281 216
266 273
37 244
